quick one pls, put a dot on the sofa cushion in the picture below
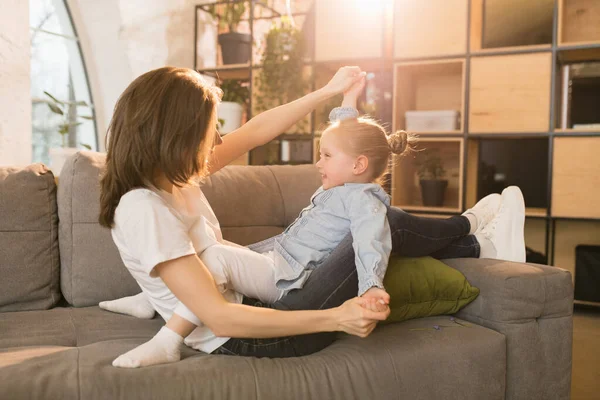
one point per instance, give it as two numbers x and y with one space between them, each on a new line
91 267
251 203
29 258
423 287
400 360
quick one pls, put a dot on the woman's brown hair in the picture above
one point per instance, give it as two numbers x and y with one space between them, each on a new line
165 122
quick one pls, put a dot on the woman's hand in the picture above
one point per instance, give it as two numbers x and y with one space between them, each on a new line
355 317
343 80
352 94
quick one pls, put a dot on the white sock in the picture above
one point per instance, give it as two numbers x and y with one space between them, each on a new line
486 247
473 221
136 306
163 348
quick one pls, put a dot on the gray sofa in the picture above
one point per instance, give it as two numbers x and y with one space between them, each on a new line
57 263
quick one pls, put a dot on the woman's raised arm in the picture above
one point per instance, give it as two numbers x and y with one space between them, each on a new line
270 124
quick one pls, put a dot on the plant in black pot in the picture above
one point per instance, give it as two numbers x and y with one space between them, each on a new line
235 46
430 169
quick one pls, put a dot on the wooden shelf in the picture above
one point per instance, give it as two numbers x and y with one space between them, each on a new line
233 71
571 130
570 55
578 21
438 216
428 86
454 132
430 28
510 93
425 208
536 212
570 234
405 188
494 164
512 49
535 234
576 177
356 31
510 24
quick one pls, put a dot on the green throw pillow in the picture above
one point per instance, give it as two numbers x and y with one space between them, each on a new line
423 287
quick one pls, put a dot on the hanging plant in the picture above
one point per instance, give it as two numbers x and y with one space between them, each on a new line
281 78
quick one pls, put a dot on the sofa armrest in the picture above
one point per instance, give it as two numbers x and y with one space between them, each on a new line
532 305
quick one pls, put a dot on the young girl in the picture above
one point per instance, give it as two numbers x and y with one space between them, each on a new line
354 154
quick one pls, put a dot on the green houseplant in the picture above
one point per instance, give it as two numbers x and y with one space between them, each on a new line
235 46
70 121
281 79
230 110
430 169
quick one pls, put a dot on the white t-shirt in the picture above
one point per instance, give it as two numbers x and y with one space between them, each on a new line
153 226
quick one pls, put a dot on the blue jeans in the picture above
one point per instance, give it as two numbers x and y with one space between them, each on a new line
335 281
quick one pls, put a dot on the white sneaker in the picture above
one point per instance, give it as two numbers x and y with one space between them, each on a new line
485 210
506 231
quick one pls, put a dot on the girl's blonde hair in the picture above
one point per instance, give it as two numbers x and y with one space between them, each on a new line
161 123
364 136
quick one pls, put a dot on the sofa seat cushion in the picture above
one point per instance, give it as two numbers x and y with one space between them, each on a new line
71 327
411 358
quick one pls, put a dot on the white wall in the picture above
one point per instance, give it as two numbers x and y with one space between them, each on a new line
122 39
15 100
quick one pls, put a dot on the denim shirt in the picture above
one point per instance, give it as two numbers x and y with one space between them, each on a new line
357 208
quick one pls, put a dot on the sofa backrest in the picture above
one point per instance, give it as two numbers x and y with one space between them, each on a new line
252 203
29 259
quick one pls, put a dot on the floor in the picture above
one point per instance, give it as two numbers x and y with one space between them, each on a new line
585 383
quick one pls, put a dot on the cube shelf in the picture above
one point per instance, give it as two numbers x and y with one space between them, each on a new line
357 29
575 177
429 86
577 91
495 25
535 235
510 93
570 234
430 28
578 22
494 164
405 185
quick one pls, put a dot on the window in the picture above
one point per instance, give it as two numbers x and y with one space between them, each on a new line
57 68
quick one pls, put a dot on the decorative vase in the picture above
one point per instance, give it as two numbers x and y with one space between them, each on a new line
58 156
433 191
235 47
231 115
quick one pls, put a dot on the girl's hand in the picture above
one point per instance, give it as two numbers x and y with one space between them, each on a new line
356 89
343 80
351 95
377 294
354 318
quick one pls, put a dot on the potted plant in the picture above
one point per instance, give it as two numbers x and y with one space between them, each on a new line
235 46
230 110
281 79
430 169
68 111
